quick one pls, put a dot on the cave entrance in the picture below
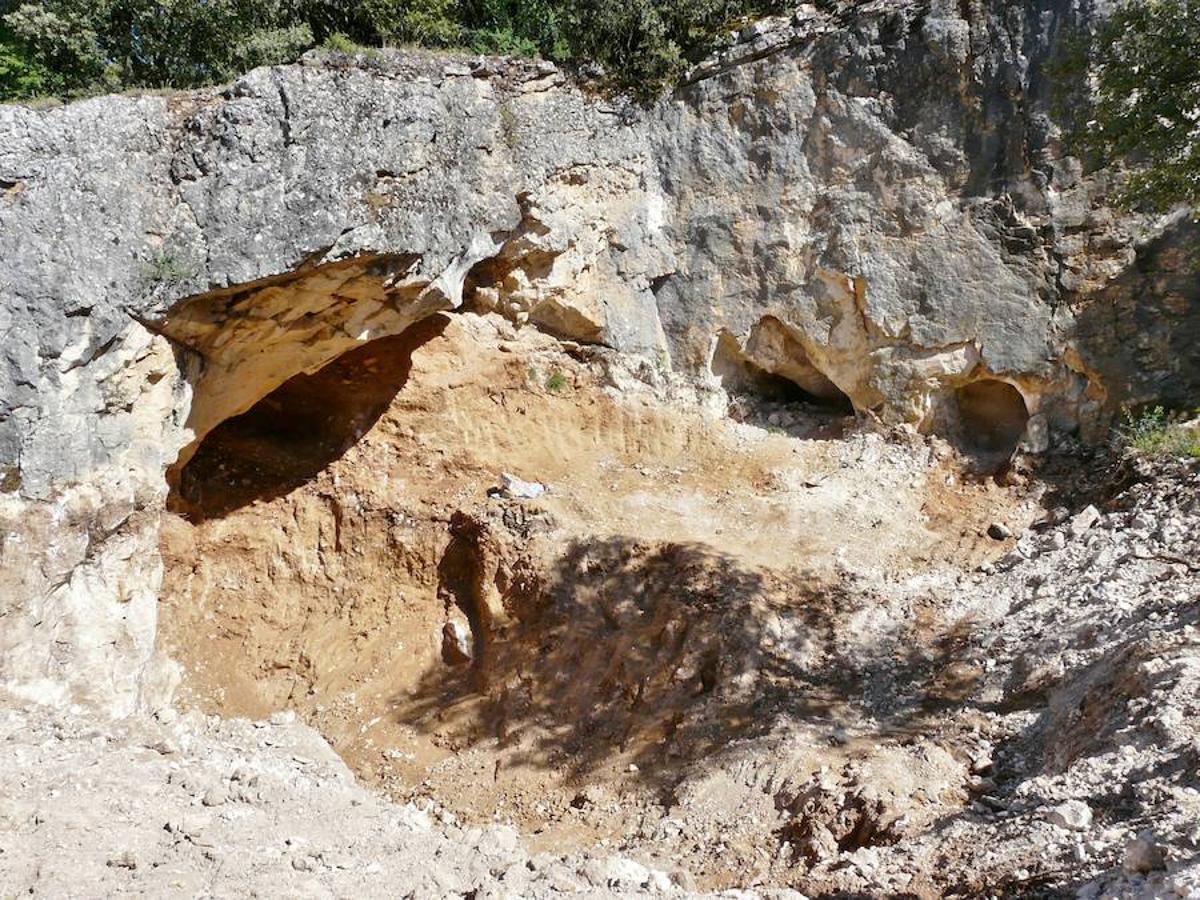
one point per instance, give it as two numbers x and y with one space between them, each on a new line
771 383
990 417
298 429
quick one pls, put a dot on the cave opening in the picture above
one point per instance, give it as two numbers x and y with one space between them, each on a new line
990 418
793 395
299 428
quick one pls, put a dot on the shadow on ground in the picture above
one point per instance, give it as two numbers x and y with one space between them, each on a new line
664 654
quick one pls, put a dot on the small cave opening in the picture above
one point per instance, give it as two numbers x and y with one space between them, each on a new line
295 431
506 282
989 419
513 283
793 396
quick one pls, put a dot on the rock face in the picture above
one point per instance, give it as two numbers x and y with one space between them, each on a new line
300 212
873 206
891 192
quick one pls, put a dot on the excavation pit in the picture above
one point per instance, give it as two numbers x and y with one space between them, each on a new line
655 608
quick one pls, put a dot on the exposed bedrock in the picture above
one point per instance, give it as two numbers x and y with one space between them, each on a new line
873 207
893 197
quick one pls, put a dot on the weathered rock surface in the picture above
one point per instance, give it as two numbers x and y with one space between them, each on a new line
893 194
848 177
306 209
875 206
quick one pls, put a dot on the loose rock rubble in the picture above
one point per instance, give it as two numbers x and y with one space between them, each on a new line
198 807
1087 710
1054 746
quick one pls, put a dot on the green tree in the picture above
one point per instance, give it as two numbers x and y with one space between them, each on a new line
21 75
1143 65
517 27
185 43
73 47
78 47
62 40
645 45
426 23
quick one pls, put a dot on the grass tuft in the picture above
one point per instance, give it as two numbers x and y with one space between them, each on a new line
1155 432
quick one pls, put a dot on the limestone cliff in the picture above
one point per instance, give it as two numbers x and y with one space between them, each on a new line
874 205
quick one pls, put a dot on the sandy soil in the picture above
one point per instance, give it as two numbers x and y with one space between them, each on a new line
626 627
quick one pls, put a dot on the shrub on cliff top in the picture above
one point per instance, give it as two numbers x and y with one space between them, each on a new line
645 45
76 47
85 46
1156 432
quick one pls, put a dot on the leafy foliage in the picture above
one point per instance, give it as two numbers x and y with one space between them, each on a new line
518 27
645 45
1144 69
21 75
74 47
91 45
60 43
1158 433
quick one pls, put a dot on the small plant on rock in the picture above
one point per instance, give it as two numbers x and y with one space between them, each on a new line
1156 432
167 269
508 126
556 381
340 43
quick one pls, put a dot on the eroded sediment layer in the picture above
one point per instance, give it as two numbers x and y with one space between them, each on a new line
344 552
